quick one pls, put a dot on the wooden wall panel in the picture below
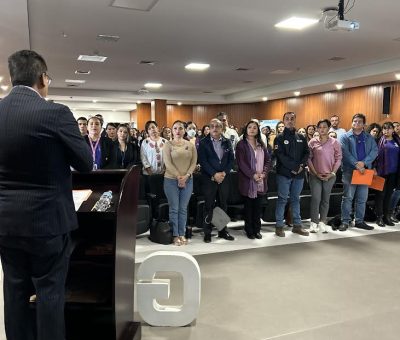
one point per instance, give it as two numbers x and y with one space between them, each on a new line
239 114
312 108
143 115
176 112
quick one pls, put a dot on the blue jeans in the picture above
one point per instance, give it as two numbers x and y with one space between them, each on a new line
395 199
350 192
288 188
178 200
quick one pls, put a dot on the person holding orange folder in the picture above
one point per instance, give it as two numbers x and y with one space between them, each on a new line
359 150
387 166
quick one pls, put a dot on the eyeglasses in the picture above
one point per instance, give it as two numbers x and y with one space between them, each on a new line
216 126
49 79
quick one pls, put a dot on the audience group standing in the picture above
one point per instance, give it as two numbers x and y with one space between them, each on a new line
314 154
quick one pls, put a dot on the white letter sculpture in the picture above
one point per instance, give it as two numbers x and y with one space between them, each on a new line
150 289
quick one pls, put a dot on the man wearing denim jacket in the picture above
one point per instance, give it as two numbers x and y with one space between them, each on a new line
359 150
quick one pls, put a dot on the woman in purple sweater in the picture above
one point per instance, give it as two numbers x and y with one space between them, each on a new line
387 166
253 162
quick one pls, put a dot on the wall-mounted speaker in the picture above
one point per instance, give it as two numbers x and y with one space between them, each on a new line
386 100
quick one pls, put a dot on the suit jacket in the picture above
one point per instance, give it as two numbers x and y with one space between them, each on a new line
243 159
39 141
208 158
129 159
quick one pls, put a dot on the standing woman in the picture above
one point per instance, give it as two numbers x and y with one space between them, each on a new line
387 166
180 157
102 147
323 163
151 149
253 162
310 130
205 131
124 151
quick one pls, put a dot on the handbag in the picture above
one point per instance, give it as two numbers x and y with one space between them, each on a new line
220 219
160 232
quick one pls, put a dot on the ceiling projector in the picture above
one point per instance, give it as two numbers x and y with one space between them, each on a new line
342 25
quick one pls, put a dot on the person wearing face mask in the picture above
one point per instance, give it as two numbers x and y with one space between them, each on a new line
191 134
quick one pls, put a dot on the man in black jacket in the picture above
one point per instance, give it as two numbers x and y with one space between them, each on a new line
216 161
39 141
291 151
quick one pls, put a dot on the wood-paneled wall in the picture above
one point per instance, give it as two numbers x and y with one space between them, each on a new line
239 114
143 112
309 109
176 112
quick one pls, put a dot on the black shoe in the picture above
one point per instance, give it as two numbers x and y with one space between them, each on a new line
225 235
188 233
380 222
343 227
387 220
258 236
250 236
393 218
207 238
363 225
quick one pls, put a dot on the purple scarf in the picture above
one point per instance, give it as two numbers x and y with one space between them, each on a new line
257 165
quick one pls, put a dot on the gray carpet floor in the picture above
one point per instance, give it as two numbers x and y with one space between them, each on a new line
343 289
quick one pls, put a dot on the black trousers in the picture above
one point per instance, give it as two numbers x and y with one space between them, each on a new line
34 266
252 215
214 193
383 198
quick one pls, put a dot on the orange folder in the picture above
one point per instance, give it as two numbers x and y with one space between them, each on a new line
364 179
377 183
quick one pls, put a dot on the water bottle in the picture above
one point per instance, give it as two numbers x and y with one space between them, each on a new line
104 202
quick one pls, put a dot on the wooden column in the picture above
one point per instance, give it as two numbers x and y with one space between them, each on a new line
143 112
159 112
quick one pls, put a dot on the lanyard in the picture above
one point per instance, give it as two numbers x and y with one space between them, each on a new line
94 148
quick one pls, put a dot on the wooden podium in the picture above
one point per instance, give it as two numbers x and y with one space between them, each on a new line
100 283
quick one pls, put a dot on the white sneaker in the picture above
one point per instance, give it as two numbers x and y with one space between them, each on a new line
313 227
323 227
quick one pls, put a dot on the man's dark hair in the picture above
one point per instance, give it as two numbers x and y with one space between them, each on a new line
26 67
288 113
81 118
220 114
359 115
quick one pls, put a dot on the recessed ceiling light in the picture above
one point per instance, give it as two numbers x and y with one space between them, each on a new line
108 37
179 103
264 99
94 101
153 85
397 76
4 87
281 71
82 72
339 86
296 23
197 67
94 58
75 81
296 93
114 110
138 102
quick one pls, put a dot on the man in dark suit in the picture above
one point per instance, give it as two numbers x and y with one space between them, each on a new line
39 142
216 161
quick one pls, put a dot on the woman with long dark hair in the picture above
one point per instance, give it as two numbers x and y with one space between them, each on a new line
253 162
387 166
124 151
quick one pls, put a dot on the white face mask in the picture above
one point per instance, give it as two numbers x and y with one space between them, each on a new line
191 133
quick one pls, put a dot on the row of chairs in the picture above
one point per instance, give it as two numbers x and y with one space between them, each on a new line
153 203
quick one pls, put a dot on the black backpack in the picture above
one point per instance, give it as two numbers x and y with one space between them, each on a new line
161 232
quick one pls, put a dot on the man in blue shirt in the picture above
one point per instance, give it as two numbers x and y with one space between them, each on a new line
359 151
